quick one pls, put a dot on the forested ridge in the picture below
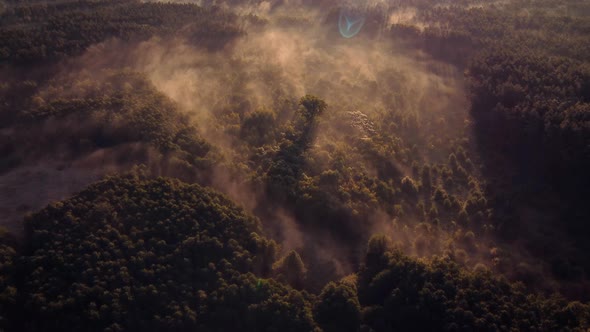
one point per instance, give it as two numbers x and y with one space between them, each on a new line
529 97
238 165
45 31
178 256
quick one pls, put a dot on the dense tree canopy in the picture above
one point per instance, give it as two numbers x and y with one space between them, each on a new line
399 293
119 109
50 31
527 70
172 256
457 131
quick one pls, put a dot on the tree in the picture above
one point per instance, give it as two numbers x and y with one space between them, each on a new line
258 127
150 255
409 187
338 308
291 270
426 179
312 106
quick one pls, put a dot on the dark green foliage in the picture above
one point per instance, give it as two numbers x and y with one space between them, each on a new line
531 109
312 107
47 31
130 253
406 294
118 109
258 127
290 312
338 308
409 187
291 270
527 69
8 290
152 255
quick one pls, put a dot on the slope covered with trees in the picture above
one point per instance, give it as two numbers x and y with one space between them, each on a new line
399 293
32 31
131 253
118 108
458 131
528 75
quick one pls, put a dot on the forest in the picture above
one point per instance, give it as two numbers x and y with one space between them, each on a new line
223 165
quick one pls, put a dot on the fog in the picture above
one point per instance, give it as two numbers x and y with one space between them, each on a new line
288 51
299 51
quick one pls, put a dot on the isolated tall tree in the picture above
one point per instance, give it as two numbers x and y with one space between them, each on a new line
312 106
290 269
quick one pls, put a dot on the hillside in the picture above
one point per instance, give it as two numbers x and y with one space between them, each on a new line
131 253
258 165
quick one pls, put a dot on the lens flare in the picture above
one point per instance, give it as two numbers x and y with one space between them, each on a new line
350 22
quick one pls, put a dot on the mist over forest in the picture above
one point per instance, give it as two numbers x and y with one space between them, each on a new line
294 165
